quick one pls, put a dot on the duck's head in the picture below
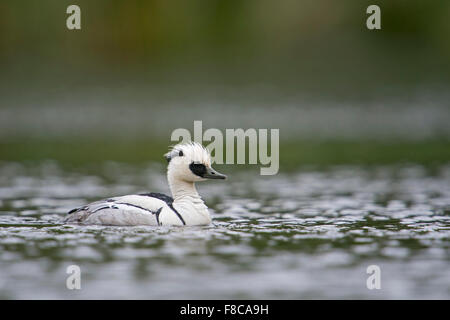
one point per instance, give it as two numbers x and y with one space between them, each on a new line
191 162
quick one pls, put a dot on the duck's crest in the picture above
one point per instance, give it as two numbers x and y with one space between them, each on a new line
193 151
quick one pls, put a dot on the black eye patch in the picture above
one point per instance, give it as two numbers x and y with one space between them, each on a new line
180 154
197 169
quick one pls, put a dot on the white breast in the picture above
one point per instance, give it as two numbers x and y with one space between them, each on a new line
194 211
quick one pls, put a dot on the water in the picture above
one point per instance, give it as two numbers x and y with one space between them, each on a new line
412 116
305 234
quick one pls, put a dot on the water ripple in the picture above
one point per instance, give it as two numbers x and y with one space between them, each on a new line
307 234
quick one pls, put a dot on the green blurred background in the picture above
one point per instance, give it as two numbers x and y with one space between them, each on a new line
137 70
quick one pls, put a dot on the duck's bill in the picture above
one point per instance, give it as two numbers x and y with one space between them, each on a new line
213 174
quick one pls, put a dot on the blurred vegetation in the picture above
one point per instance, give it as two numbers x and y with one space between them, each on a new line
319 47
293 153
320 44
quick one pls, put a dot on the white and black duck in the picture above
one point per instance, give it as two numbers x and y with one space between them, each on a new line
188 163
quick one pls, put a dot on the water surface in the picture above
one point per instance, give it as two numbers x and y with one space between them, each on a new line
310 233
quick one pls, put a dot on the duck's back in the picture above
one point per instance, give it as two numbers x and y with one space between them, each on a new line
141 209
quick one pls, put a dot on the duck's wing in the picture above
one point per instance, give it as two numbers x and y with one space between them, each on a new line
143 209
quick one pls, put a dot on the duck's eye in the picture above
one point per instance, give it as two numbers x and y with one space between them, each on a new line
180 154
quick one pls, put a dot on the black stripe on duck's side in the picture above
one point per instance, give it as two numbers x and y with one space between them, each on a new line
105 207
135 206
157 216
177 213
96 206
139 207
161 196
77 209
167 199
